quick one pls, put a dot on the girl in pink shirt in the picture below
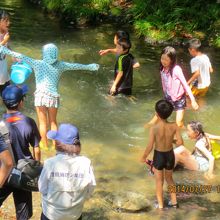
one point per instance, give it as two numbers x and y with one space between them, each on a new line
174 85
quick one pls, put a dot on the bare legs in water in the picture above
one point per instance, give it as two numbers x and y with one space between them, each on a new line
46 118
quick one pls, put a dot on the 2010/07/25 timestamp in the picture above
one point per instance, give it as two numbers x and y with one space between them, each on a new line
193 188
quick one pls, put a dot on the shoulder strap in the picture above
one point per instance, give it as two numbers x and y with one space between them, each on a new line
5 133
208 143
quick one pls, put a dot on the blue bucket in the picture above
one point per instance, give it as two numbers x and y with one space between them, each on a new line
20 71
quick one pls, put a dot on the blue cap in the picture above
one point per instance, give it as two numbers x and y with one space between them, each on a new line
66 134
13 94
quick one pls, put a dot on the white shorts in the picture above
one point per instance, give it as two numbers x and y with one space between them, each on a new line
46 99
202 162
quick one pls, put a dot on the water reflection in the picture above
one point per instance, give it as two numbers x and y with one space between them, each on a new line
112 133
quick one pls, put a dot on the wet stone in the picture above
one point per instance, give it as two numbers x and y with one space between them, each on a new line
130 202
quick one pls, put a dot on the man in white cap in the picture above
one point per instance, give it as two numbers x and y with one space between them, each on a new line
67 179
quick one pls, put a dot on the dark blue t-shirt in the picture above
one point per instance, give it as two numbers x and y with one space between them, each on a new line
23 132
3 145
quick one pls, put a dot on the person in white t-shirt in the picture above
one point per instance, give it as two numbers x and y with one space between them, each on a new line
200 67
67 179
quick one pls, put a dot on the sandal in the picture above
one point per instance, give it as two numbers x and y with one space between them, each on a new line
156 206
170 205
150 163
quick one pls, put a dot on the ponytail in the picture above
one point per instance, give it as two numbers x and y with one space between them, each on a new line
197 127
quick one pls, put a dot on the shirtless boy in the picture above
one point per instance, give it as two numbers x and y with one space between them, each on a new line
161 137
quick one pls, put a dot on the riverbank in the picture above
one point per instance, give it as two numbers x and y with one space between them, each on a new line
164 22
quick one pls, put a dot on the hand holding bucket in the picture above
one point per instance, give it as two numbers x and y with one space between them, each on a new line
20 72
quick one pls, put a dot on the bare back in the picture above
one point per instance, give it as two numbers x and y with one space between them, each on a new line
164 133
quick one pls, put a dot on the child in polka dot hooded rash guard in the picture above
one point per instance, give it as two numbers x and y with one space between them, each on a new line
47 75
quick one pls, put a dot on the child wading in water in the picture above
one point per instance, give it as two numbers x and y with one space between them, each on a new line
4 38
47 75
161 137
200 68
119 35
174 85
123 78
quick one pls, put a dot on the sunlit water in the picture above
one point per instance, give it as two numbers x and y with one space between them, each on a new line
112 131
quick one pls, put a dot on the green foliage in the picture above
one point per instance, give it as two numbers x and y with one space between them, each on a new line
78 8
151 32
116 11
52 5
217 42
102 4
156 19
176 17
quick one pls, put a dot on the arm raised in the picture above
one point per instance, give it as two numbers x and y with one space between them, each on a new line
19 56
78 66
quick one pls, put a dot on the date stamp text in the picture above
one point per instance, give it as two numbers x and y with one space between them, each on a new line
193 188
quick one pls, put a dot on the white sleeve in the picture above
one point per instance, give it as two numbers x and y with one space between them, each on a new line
43 180
200 144
92 183
210 65
194 63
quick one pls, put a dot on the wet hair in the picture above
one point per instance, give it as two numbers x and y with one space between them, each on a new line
197 127
68 148
194 43
163 108
122 34
125 44
171 53
4 14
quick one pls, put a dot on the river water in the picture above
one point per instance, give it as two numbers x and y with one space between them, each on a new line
112 131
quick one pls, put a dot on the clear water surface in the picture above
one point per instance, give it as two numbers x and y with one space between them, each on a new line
112 131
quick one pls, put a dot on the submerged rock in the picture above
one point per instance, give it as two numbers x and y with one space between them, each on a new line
130 202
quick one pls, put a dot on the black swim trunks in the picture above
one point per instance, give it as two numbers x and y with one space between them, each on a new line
164 160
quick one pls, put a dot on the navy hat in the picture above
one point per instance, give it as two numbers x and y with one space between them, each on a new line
13 94
66 134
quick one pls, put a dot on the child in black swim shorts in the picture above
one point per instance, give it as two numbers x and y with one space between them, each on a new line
161 137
